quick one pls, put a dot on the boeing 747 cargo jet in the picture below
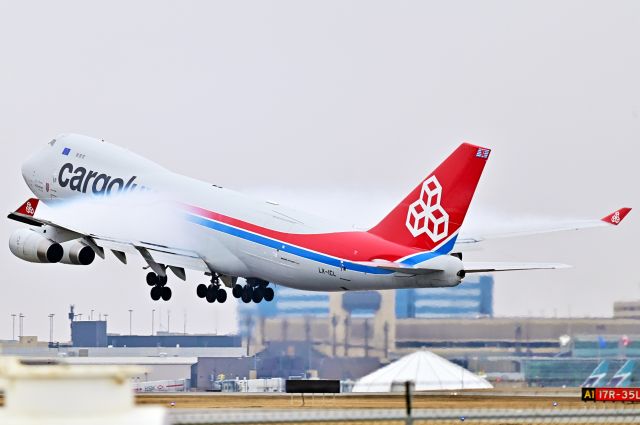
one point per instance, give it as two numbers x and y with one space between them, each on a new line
227 235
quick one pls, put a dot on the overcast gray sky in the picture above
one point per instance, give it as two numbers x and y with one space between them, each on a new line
338 107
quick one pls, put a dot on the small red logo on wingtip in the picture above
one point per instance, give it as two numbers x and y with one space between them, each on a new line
29 207
617 216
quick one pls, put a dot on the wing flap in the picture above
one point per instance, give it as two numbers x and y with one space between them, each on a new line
158 254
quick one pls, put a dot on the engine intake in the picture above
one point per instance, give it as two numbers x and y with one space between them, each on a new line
32 246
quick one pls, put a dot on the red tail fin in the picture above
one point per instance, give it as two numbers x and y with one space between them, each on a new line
436 208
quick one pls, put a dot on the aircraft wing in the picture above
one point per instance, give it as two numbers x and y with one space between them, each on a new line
612 219
155 255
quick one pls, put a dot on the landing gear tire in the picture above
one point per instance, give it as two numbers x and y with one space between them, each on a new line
221 296
166 293
212 293
201 290
237 291
162 280
156 293
268 294
247 294
152 279
257 296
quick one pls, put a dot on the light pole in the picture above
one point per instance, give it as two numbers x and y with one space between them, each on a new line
91 315
13 326
51 327
153 320
168 321
21 317
130 317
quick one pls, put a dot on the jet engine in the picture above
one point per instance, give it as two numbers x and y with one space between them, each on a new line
32 246
78 253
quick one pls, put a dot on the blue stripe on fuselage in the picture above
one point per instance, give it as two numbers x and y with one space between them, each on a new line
282 246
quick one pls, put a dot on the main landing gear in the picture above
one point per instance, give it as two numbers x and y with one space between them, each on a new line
212 292
255 290
158 287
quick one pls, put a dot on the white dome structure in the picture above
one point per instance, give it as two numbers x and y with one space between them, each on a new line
427 371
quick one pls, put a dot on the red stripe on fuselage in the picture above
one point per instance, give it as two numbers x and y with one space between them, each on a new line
352 246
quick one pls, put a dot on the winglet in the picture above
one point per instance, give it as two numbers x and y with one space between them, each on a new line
29 207
25 213
616 217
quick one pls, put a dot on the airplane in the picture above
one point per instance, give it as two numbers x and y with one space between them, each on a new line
227 235
622 378
597 376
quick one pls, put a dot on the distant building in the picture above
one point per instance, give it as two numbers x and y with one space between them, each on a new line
93 333
289 302
89 333
472 298
626 309
279 360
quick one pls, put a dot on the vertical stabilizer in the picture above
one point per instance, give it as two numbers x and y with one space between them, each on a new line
597 376
431 214
622 378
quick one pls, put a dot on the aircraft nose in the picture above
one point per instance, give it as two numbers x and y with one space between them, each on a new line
28 170
33 171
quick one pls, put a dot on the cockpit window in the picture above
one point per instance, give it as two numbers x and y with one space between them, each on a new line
52 142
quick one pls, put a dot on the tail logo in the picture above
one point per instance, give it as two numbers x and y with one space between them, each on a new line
615 218
426 215
30 209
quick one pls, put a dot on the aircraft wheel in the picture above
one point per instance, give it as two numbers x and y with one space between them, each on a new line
236 291
257 296
166 293
268 294
247 292
152 279
156 293
201 290
221 296
162 280
212 293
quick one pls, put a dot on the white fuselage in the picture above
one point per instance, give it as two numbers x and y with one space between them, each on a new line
234 234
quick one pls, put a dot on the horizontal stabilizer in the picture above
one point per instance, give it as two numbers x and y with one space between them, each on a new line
473 267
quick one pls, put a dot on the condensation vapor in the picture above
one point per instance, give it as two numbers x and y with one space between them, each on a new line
136 217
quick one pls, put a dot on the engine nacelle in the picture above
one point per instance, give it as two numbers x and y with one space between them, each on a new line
78 253
32 246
